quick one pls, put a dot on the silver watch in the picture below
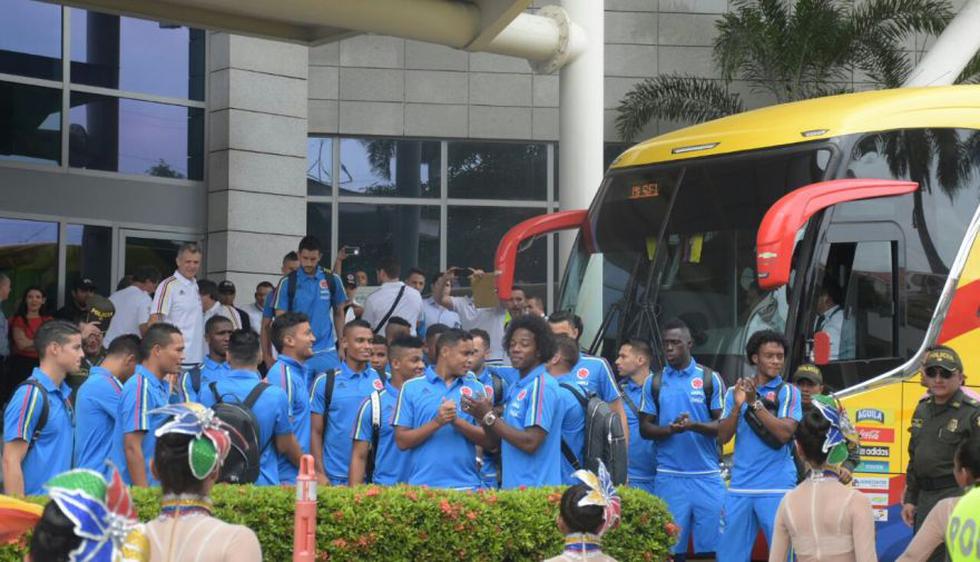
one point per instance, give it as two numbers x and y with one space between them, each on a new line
489 418
758 405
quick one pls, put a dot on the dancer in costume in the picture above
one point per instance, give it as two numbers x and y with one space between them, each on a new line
586 512
88 520
190 449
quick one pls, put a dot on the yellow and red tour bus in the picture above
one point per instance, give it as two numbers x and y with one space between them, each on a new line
742 223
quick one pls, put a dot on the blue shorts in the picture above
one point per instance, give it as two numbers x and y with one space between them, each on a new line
741 520
321 362
695 502
645 485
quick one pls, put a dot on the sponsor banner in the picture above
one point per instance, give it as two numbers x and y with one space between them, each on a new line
874 466
876 434
874 415
877 500
871 483
876 452
881 515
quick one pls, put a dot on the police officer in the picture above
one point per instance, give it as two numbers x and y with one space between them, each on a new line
942 420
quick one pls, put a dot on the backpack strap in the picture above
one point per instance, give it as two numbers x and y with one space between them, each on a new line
655 385
497 383
629 401
398 299
253 396
328 396
375 399
708 378
569 455
43 418
195 374
291 290
213 385
566 451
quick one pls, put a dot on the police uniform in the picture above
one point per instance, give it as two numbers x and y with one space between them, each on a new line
936 432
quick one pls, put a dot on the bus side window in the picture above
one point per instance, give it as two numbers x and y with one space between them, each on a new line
856 306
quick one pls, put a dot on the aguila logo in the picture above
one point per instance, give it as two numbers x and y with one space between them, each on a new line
466 391
697 383
378 385
870 414
582 373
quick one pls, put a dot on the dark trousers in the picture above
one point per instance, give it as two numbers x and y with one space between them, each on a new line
927 501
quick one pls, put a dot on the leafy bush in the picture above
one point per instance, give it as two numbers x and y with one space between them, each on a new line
420 524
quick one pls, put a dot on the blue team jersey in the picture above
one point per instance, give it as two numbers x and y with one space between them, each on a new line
757 467
316 296
682 392
349 390
289 375
534 401
142 393
271 410
50 452
642 452
446 459
96 407
572 429
391 464
211 371
594 375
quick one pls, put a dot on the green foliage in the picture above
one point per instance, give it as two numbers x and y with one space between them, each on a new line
793 50
405 523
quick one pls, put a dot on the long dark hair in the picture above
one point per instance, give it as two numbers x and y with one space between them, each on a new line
22 307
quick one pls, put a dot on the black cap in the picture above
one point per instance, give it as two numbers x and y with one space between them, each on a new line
810 372
226 287
86 284
350 280
101 310
944 357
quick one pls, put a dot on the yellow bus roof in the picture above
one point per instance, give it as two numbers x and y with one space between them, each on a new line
820 118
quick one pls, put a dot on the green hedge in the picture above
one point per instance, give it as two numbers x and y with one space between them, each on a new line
404 523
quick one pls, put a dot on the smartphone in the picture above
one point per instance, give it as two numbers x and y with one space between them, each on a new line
353 250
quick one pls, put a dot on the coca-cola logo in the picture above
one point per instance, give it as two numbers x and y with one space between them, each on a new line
876 434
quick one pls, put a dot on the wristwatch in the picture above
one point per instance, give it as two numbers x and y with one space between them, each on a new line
489 418
758 405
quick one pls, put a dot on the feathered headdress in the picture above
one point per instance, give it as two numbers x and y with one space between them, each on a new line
103 516
601 493
213 438
835 435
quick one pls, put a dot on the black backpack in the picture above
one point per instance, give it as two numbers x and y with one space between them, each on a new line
605 438
241 468
497 384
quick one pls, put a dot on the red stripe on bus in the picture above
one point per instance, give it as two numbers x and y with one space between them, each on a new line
964 312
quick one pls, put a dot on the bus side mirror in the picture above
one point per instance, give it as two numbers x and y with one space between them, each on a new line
821 348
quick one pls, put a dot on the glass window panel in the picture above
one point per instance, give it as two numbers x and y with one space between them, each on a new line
30 39
30 123
410 232
29 256
136 137
89 256
160 253
319 166
318 223
475 232
137 55
389 167
487 170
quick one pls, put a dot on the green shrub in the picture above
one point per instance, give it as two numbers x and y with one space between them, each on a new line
420 524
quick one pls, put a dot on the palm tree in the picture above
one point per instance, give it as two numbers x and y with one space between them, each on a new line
792 50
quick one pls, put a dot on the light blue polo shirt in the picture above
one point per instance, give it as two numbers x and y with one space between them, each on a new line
534 401
50 452
316 296
594 375
758 468
690 452
96 407
642 452
572 429
142 393
289 375
446 459
211 370
349 390
391 464
271 410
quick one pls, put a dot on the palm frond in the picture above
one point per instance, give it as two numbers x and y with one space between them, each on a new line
676 98
897 19
971 74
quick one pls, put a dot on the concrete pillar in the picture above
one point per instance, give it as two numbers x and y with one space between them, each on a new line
257 158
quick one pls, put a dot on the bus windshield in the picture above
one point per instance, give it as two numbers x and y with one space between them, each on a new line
678 241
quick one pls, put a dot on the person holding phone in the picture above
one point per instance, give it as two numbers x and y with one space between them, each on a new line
493 319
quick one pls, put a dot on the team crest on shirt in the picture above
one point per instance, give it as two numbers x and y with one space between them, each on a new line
522 394
697 383
378 385
582 373
323 283
771 396
489 390
466 391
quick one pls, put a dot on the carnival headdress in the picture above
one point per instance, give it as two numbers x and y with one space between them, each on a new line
835 435
602 493
212 438
103 516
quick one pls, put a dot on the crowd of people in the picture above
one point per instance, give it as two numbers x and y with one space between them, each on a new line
448 393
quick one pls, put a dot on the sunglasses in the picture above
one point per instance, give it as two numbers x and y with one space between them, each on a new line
932 372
